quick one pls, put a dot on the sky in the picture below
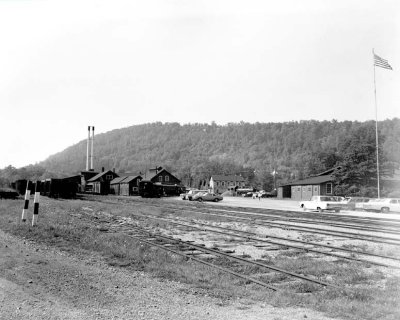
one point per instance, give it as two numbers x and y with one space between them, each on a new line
65 65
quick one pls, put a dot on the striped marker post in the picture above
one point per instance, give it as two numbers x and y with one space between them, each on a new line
26 204
36 204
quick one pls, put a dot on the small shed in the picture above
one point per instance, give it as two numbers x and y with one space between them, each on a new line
130 186
115 185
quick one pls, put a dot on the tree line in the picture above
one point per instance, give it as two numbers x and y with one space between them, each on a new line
193 152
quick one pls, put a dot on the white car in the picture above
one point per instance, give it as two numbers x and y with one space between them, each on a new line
321 203
188 195
383 205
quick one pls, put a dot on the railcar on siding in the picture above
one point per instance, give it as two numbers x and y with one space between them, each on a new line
149 189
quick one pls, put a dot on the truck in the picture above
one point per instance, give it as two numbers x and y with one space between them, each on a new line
321 203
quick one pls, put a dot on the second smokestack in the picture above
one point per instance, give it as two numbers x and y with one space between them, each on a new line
91 159
88 149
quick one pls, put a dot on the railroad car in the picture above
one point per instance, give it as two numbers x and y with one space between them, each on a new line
20 186
148 189
59 188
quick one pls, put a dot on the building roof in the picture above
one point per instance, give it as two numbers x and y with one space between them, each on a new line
99 175
117 180
130 178
329 172
312 180
221 177
151 174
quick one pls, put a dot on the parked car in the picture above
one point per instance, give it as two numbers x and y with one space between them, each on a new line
354 203
269 194
207 196
338 198
383 205
322 203
188 195
247 194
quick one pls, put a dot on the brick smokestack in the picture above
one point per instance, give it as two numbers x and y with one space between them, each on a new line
91 158
88 149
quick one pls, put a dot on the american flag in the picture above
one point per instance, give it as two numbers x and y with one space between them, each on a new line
379 62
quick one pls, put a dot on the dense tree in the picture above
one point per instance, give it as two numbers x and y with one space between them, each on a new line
358 167
195 151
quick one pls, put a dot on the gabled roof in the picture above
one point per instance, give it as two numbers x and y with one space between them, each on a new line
98 176
130 178
152 174
329 172
117 180
312 180
221 177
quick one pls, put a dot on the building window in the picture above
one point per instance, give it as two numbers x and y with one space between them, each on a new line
329 188
160 178
298 189
109 177
166 178
309 188
223 183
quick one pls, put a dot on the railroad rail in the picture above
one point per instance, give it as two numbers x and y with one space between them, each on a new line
255 237
179 246
285 226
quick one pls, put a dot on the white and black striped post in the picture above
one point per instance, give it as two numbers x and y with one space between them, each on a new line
36 204
26 204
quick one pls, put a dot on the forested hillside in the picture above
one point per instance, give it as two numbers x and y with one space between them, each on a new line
195 151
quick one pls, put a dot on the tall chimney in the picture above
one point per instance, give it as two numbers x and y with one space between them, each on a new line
88 150
91 159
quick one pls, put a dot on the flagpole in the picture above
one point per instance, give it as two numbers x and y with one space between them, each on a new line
376 127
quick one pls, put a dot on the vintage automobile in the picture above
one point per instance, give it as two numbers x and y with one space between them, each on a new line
188 195
383 205
247 194
321 203
354 203
207 196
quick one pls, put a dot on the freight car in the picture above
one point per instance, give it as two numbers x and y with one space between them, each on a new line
59 188
148 189
20 186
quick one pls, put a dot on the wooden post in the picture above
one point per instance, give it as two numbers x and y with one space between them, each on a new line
36 204
26 204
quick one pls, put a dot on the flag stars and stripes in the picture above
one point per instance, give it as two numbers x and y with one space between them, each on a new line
382 63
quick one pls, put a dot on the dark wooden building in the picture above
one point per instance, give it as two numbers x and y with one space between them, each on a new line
161 176
130 186
100 183
125 185
115 186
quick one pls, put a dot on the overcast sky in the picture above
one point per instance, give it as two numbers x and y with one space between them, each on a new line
65 65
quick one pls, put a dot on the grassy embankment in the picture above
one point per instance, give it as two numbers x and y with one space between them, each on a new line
64 225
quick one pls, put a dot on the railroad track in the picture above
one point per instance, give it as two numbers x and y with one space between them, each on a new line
286 226
349 222
308 217
188 249
251 236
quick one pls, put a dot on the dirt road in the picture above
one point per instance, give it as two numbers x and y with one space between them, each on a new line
37 282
